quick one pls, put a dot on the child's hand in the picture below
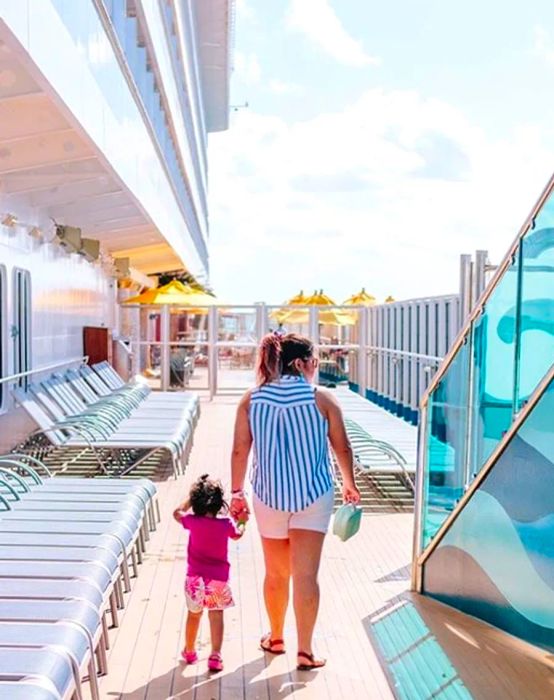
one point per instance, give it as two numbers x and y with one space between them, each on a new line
181 511
239 531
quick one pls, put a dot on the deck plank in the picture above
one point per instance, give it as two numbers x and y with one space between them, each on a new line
365 607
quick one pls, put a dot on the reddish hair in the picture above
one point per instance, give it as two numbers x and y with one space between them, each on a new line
277 354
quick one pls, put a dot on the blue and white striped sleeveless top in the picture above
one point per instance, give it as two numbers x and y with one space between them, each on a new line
292 466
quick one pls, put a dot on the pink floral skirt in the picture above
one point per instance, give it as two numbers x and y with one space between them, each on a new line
203 593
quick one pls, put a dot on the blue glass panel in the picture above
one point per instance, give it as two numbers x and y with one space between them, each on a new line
496 561
493 361
447 423
536 309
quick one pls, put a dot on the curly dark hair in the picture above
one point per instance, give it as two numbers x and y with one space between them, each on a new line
206 496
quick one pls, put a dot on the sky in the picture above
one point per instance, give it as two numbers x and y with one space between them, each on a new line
381 141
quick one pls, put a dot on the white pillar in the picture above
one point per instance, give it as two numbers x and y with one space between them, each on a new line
466 275
166 353
480 273
261 320
212 351
363 333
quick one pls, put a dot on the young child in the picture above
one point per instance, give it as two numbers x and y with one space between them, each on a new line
206 584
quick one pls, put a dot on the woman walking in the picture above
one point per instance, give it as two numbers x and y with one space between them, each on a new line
290 424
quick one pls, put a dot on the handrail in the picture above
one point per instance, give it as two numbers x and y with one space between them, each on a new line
487 292
487 467
45 368
405 353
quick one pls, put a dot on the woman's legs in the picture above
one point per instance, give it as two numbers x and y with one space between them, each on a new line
276 585
305 556
191 630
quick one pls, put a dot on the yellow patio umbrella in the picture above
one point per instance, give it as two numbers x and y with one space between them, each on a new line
328 317
175 293
361 299
299 298
279 314
389 300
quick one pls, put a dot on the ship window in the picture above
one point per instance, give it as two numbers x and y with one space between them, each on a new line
3 327
21 329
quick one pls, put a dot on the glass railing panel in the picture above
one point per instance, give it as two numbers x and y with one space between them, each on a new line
118 15
237 326
447 427
188 365
493 371
503 538
536 309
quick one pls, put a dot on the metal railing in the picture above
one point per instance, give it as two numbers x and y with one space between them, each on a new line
44 368
393 377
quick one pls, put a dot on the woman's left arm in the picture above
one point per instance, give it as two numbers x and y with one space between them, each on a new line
340 443
242 444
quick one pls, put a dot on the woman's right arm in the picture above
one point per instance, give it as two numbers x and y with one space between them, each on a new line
242 444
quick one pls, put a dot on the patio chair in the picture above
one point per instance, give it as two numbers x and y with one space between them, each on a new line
116 454
48 668
36 472
61 635
79 614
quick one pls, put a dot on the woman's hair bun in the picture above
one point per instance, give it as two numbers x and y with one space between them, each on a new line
269 358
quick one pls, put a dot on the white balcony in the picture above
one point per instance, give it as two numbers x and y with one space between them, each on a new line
93 159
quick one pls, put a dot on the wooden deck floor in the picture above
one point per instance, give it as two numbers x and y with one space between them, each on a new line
381 642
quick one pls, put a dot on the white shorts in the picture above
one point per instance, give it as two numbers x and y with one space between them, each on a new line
275 524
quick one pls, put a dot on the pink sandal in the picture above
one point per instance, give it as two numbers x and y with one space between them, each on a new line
191 657
215 663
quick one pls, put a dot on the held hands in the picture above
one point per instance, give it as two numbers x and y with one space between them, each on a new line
239 510
350 493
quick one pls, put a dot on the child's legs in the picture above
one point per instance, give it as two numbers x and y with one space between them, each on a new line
191 629
216 629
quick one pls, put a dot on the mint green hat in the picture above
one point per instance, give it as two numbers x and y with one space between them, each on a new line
346 522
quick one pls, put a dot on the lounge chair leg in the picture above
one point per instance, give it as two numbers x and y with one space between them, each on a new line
134 562
142 541
106 641
158 515
113 608
119 594
102 657
145 530
93 679
139 550
125 574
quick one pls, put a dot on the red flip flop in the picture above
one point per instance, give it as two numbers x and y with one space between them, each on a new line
314 663
267 644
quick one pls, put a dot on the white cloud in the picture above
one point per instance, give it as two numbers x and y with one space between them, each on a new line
543 46
386 193
247 68
244 10
317 20
280 87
